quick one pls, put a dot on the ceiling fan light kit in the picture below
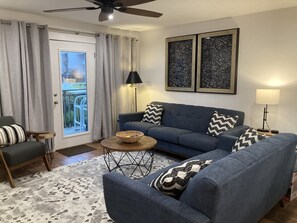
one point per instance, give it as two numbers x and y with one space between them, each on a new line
108 6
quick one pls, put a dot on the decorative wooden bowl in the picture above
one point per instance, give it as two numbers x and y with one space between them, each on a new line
129 136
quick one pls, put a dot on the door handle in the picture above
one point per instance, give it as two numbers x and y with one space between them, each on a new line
55 102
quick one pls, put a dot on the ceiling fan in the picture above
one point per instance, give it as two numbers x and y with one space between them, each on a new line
107 7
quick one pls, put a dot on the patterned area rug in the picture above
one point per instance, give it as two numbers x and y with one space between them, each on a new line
67 194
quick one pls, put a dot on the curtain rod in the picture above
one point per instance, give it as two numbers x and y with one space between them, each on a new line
7 22
92 34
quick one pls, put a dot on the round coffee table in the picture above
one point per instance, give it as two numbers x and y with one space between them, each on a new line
134 156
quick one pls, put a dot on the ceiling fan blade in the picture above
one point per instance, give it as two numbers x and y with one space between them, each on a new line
71 9
96 2
140 12
130 2
103 16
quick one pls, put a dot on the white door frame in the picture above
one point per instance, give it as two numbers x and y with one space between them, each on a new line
74 43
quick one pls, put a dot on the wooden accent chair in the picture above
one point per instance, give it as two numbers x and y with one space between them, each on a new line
20 154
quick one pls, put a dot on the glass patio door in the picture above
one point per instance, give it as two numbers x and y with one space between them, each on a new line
73 68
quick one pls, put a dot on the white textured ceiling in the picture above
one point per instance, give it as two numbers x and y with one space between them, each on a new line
175 12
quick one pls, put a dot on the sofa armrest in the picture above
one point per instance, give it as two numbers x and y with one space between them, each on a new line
132 201
129 117
236 131
226 142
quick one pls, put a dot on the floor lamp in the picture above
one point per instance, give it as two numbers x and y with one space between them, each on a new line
134 79
267 97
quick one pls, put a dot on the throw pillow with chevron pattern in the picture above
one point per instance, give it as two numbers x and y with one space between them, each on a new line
220 123
173 181
153 114
249 137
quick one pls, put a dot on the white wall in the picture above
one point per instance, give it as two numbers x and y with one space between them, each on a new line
267 59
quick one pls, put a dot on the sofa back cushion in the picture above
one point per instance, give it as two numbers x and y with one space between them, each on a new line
193 118
243 186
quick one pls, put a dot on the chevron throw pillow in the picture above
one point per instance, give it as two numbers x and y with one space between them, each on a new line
12 134
173 181
153 114
220 123
249 137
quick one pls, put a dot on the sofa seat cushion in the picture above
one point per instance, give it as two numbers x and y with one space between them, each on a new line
21 152
199 141
140 126
167 134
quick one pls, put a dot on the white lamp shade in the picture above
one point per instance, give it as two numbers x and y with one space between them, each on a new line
267 96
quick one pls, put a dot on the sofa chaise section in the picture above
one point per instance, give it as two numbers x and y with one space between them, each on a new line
239 187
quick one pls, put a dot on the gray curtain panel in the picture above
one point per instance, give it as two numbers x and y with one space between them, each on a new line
105 98
113 96
25 74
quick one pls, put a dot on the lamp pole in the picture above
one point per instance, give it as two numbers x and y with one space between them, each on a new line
134 79
135 97
264 116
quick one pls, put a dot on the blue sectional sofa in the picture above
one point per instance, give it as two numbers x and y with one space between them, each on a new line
183 128
237 187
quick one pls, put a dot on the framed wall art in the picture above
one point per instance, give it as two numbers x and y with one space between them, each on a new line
180 63
217 62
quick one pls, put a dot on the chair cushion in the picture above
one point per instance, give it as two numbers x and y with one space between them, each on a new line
199 141
12 134
139 126
220 123
22 152
153 114
173 181
249 137
167 134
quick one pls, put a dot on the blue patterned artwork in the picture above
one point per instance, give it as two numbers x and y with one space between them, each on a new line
217 62
181 63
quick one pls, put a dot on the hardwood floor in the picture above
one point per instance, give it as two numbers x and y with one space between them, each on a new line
276 215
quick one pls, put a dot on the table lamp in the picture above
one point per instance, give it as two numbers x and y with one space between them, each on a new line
134 79
267 97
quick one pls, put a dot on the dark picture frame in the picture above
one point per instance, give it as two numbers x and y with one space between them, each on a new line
180 63
217 62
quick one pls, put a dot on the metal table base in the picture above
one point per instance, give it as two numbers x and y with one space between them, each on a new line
129 162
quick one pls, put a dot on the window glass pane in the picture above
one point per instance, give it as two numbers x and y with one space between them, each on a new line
74 89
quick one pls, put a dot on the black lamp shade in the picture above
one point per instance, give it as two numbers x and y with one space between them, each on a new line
133 78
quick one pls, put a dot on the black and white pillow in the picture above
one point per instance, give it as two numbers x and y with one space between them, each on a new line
249 137
173 181
153 114
12 134
220 123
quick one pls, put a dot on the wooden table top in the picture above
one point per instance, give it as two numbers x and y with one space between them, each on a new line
115 144
48 135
